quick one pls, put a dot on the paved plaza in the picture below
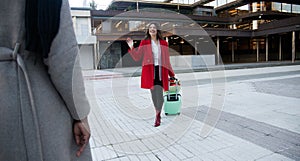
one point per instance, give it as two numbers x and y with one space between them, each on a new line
238 114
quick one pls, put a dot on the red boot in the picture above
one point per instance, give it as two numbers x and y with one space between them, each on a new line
157 119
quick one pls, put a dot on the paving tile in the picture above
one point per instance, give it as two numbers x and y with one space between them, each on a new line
122 123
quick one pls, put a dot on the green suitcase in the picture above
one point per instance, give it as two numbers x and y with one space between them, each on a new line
172 100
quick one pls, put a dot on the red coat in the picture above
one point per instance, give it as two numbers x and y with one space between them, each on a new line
144 51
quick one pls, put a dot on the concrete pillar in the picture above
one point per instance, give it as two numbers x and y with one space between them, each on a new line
293 46
280 52
267 49
95 55
232 51
257 50
180 49
218 50
196 48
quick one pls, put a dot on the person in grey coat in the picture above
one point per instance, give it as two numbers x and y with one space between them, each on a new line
43 106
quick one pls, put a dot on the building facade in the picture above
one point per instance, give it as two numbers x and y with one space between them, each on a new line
273 25
87 42
201 32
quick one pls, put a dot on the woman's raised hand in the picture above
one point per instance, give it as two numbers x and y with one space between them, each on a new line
129 42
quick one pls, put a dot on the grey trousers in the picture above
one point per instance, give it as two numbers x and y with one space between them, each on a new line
157 91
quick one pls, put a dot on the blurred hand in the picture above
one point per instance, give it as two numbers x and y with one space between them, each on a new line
172 78
129 42
82 134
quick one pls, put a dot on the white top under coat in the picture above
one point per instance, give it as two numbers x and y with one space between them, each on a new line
156 52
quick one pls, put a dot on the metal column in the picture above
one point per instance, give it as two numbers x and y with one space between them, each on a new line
267 49
280 52
257 50
293 47
232 51
218 50
95 55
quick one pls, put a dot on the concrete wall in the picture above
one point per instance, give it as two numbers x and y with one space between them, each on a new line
187 61
86 40
86 56
82 26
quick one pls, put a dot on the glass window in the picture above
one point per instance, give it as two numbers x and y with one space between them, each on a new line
228 1
84 30
262 6
194 1
221 2
243 10
118 26
276 6
245 7
182 1
232 26
82 27
213 3
295 8
233 12
106 26
286 7
188 1
136 25
255 7
254 24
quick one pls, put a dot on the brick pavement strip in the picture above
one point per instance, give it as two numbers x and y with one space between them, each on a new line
276 139
283 87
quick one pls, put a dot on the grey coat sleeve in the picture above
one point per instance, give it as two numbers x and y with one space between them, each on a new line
64 66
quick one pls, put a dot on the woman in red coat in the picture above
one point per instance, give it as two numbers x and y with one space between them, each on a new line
156 65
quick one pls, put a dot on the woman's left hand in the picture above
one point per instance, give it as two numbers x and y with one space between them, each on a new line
82 134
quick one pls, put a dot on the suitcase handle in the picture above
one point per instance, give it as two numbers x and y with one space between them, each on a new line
176 85
173 78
